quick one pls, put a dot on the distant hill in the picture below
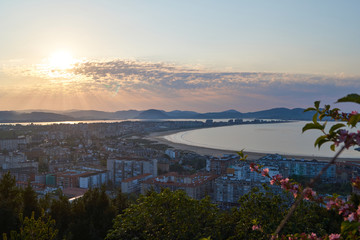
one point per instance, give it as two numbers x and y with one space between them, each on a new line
182 114
91 115
219 115
153 114
12 116
77 115
128 114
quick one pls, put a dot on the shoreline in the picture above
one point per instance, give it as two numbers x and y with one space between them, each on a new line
159 137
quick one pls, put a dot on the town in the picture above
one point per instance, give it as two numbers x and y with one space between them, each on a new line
76 157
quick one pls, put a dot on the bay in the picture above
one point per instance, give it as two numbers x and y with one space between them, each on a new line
282 138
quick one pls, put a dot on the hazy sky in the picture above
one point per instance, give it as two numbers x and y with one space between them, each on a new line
189 55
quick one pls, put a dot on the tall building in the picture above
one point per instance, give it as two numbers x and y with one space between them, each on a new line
219 165
196 186
123 168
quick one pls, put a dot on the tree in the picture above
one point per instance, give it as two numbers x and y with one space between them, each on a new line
42 228
166 215
121 202
91 215
30 202
60 211
260 212
10 203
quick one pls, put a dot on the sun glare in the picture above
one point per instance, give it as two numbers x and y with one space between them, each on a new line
61 60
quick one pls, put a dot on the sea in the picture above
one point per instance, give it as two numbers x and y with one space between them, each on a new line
282 138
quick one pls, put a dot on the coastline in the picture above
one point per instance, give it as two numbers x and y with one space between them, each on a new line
159 137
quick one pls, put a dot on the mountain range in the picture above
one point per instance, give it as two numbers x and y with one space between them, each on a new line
82 115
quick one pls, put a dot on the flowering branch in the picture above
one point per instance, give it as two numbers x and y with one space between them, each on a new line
305 192
337 135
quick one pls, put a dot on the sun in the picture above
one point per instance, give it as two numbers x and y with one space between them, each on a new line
61 60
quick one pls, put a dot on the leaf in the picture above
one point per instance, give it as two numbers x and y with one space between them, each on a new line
315 118
355 98
354 119
242 155
317 104
347 227
332 147
312 126
335 127
321 140
310 109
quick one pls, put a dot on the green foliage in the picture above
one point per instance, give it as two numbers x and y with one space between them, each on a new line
10 204
336 132
166 215
45 202
196 163
121 202
266 210
256 208
354 98
30 203
91 215
242 155
324 187
176 167
310 217
42 228
350 230
60 211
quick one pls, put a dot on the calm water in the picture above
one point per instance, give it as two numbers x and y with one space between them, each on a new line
116 121
283 138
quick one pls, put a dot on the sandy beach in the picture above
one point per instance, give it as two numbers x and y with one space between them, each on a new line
159 137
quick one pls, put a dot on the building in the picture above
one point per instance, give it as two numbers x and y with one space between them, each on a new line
238 181
123 168
219 165
133 184
20 174
13 143
300 167
196 186
16 160
69 178
93 179
173 154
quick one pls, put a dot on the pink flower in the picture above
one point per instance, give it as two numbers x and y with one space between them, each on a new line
312 236
256 227
265 172
344 209
351 217
330 204
254 167
309 193
354 112
334 236
284 183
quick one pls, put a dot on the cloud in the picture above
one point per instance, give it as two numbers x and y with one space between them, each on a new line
139 84
159 77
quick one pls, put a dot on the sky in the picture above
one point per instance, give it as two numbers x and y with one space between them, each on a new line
199 55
